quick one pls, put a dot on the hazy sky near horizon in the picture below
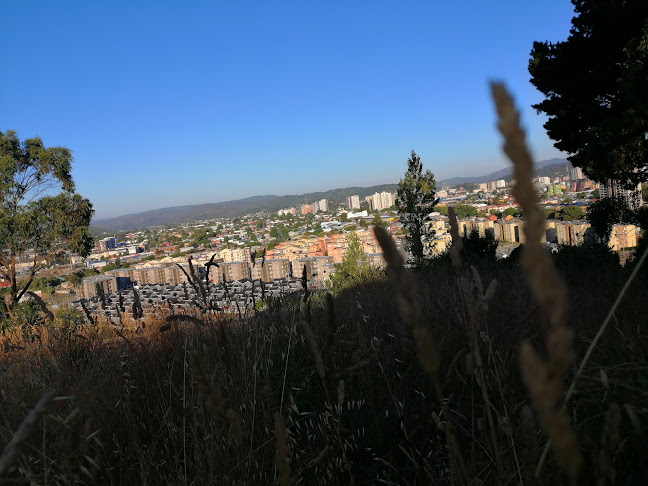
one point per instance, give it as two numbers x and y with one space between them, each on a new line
167 103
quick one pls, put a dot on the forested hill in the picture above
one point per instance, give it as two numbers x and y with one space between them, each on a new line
232 209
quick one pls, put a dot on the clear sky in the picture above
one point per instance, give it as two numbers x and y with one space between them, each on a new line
167 103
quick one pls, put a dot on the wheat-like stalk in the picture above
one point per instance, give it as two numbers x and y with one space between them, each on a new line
410 309
283 467
544 378
22 433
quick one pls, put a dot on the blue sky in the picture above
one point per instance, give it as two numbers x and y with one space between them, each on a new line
167 103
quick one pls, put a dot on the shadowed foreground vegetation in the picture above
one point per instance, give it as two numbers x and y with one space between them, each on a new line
331 391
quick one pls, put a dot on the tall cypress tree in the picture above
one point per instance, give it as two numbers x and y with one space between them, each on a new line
415 200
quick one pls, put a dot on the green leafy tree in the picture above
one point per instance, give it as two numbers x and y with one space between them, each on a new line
596 194
416 200
344 218
603 214
354 267
442 210
465 211
594 85
485 246
571 213
41 216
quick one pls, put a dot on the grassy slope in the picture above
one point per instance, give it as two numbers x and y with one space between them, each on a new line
138 413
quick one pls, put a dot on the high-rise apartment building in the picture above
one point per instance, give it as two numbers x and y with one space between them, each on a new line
109 243
576 174
235 271
387 200
624 236
353 202
615 189
235 255
306 208
323 205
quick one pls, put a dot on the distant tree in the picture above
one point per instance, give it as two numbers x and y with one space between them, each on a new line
475 244
580 195
465 211
344 218
442 210
510 212
596 194
604 213
416 200
377 219
354 266
594 85
39 211
572 213
273 232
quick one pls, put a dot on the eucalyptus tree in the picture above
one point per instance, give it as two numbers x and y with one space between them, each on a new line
41 215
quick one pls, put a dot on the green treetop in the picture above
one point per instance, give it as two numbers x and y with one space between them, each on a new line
594 85
416 199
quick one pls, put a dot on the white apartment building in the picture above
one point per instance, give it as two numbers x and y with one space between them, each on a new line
353 202
323 205
575 174
387 199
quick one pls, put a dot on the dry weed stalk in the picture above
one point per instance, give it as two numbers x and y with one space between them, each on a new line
22 433
283 467
211 392
544 378
476 307
37 298
410 309
457 241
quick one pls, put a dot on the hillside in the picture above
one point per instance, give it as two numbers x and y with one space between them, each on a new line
231 209
272 203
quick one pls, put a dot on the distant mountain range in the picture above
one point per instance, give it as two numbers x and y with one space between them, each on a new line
270 203
232 209
543 168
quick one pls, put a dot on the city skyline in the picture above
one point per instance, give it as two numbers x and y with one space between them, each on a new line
165 106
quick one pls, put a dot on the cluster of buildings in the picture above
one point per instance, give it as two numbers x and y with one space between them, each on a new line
286 260
631 197
315 206
331 245
380 201
238 297
511 230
